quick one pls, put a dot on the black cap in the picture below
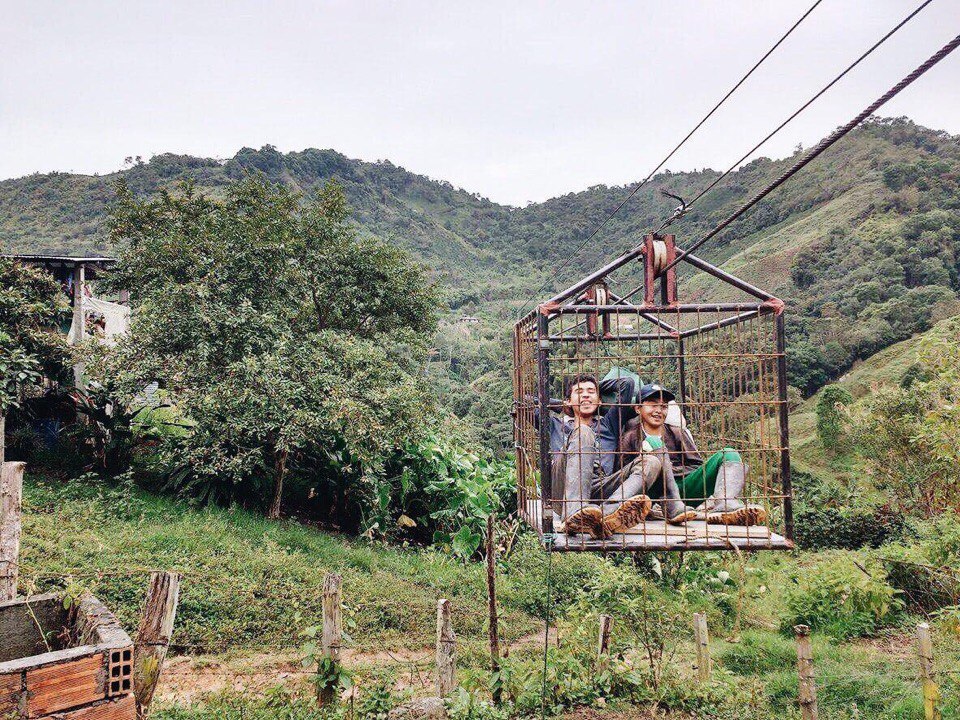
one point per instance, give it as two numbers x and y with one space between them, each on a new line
650 390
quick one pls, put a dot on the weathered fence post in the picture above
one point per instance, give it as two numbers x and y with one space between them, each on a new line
153 638
702 639
492 603
332 626
808 688
446 650
931 693
11 499
603 641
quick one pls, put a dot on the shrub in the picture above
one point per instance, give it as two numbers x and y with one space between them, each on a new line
926 571
832 419
847 528
839 597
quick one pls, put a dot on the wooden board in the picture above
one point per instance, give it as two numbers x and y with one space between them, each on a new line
693 535
65 686
121 709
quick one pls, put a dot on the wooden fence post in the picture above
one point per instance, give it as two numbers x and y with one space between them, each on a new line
603 641
492 607
153 638
931 693
808 688
702 639
446 650
11 500
331 641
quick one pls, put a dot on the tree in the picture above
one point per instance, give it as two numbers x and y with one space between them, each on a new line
30 303
832 419
277 330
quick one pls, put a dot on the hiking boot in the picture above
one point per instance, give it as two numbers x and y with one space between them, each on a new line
587 520
630 514
724 506
682 513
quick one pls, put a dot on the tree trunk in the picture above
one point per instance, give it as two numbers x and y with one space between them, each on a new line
280 468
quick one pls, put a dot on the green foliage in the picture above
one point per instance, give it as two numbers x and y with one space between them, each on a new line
30 305
831 419
279 332
447 491
819 528
843 595
907 437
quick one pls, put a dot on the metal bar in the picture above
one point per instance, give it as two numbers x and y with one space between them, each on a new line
703 307
543 390
726 277
682 366
624 336
721 323
780 329
593 277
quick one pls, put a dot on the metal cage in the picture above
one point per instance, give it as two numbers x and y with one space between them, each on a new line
724 361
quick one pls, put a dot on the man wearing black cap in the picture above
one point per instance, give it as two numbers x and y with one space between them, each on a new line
714 486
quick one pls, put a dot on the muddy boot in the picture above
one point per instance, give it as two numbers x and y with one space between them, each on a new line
674 510
588 520
725 507
630 514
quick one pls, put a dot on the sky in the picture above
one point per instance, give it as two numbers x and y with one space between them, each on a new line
519 101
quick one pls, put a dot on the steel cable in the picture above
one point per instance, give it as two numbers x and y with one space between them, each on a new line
822 146
663 162
803 107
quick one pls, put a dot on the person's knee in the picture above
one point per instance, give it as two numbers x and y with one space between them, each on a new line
731 455
652 465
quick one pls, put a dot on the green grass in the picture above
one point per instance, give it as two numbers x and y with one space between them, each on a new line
251 584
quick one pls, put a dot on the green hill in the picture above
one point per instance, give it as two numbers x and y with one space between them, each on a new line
862 244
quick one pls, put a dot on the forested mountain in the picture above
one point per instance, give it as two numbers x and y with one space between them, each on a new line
862 244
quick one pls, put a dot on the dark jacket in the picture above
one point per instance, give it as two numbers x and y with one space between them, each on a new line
607 427
684 455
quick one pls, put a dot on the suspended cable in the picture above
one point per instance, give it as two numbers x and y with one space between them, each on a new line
822 146
686 207
663 162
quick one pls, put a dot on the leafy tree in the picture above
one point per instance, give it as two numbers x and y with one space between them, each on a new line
277 330
30 303
908 437
832 419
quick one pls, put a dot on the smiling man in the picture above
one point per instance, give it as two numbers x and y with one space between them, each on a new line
589 496
713 486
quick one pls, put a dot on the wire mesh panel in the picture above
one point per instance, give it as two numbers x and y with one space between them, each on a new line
653 427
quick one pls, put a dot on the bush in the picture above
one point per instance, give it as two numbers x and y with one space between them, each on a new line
927 571
847 528
840 598
832 419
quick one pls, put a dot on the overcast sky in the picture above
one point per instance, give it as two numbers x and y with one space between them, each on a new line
516 100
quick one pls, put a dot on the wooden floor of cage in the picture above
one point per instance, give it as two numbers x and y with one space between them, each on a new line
660 535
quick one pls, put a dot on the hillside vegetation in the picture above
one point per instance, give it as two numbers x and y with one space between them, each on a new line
862 243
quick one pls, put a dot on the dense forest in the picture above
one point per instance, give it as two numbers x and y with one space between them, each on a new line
861 244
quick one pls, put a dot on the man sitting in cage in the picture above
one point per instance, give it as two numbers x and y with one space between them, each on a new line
588 493
713 486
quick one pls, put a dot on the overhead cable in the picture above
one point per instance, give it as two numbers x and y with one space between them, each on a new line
823 145
663 162
803 107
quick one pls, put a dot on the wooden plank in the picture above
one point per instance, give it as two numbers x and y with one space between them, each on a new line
120 709
65 686
10 686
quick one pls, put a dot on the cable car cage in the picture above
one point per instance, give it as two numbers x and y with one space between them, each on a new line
725 363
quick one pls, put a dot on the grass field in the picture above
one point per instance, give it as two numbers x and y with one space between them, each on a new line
250 585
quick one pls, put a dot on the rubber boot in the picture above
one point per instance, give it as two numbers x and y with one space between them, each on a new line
724 506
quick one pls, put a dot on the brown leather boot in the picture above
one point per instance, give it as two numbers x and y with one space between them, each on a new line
588 520
630 514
